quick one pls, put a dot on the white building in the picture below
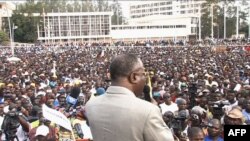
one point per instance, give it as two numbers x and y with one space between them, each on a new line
75 26
6 10
169 19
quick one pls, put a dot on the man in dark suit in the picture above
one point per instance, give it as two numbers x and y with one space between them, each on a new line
119 115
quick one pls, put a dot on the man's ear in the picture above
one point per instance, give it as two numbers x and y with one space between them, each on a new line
133 78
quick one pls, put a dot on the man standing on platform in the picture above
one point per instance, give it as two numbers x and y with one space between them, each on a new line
119 115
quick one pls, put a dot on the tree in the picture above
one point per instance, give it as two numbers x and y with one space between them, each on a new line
117 17
27 25
206 17
219 19
4 39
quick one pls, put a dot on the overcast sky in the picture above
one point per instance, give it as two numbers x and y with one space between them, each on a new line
124 4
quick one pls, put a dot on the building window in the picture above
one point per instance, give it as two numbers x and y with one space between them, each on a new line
194 20
162 3
183 12
169 13
156 4
190 11
180 26
193 29
169 8
170 2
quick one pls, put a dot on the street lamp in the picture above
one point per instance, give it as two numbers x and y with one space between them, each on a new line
212 21
11 38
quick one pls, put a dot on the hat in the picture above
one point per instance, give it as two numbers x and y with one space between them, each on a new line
10 85
151 73
77 82
235 113
205 91
161 73
42 131
100 91
40 93
42 74
2 84
33 84
198 110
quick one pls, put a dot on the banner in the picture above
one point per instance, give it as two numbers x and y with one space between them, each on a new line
56 117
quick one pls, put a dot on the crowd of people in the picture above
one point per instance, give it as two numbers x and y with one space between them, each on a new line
197 89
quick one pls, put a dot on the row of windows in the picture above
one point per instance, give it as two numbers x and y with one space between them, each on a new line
163 9
148 27
144 15
65 33
151 9
79 19
150 5
162 4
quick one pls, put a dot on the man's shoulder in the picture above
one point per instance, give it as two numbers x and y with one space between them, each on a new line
93 101
140 103
144 102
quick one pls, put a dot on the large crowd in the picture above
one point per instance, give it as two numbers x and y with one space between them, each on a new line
196 87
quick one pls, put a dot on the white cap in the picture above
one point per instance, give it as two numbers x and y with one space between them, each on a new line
40 93
42 131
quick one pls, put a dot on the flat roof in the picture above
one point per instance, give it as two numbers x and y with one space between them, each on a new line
71 14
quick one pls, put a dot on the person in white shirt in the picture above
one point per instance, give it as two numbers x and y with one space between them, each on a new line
231 99
168 105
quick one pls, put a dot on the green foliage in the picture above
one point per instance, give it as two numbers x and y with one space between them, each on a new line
4 39
27 26
219 19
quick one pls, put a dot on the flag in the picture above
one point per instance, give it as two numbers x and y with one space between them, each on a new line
100 54
149 84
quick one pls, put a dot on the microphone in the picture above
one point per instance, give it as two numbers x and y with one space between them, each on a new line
72 98
78 129
70 102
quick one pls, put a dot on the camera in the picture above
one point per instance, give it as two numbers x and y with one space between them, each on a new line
192 89
177 123
217 108
10 125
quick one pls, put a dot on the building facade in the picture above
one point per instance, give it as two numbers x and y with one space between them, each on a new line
6 10
75 26
169 19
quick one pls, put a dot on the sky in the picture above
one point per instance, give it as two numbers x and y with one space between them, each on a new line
124 4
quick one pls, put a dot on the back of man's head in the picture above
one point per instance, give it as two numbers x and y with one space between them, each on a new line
122 65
